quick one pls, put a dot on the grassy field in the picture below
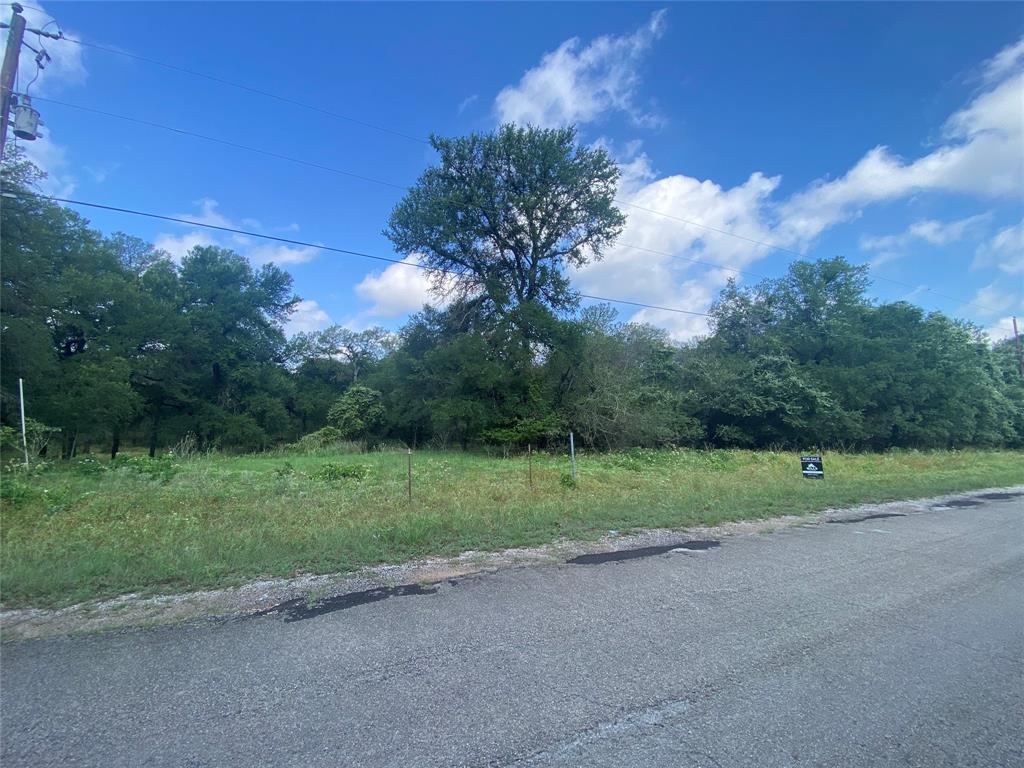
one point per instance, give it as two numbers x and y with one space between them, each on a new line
90 530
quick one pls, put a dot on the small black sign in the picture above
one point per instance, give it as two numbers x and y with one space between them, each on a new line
812 467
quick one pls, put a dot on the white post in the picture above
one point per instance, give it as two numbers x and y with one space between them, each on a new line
572 455
24 439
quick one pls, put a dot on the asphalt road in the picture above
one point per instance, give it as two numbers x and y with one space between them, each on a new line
889 641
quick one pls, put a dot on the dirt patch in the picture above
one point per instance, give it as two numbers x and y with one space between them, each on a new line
306 593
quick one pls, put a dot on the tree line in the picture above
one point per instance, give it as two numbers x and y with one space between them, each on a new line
121 345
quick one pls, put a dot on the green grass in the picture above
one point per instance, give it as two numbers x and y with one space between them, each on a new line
77 532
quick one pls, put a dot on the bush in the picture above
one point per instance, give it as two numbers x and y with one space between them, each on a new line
317 441
162 469
331 472
14 491
87 465
285 470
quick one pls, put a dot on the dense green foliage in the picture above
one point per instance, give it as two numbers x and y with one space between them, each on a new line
120 345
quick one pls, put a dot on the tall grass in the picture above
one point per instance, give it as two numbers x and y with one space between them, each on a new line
85 530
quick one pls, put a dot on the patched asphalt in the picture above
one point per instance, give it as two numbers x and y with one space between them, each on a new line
895 639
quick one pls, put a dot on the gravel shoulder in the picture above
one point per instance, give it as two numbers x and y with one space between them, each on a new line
369 584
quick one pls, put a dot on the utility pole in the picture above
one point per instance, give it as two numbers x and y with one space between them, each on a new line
1016 341
24 438
10 69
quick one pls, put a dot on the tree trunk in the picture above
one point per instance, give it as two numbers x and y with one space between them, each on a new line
115 445
152 438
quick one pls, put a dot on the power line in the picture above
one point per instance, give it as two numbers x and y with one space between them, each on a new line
372 180
224 142
247 88
305 105
329 248
306 244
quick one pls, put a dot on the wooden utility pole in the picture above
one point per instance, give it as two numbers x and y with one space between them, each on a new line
10 69
1016 341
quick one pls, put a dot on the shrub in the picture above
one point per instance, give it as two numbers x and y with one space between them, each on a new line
14 491
162 469
332 472
322 438
87 465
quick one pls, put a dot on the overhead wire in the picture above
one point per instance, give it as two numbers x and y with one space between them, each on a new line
404 187
319 246
384 129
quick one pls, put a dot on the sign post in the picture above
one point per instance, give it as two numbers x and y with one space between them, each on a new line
812 467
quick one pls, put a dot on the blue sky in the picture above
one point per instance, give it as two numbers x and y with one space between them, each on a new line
887 133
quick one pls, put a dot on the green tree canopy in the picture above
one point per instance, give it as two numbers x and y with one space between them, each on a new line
504 213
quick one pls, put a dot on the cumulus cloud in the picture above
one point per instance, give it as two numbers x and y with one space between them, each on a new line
653 261
308 316
178 246
579 84
257 250
397 290
1005 251
978 155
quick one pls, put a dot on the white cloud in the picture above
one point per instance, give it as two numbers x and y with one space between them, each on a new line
397 291
178 246
1005 251
101 173
52 158
648 274
207 214
277 253
1001 329
981 156
257 250
994 299
308 316
65 67
1006 61
882 258
467 102
929 230
577 85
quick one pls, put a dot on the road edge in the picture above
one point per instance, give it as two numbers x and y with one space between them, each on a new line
133 611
